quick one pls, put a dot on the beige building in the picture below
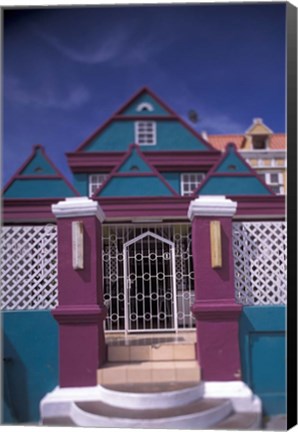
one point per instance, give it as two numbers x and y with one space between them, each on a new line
263 149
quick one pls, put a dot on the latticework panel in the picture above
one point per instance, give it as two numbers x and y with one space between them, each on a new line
28 267
260 254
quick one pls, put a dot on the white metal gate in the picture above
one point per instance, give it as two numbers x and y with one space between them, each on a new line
149 284
114 237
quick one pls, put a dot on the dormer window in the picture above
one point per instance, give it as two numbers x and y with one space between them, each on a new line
144 106
259 142
145 133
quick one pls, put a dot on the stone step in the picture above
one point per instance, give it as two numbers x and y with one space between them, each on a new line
154 406
151 352
200 413
148 372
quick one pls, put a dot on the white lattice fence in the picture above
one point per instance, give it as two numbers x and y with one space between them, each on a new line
260 253
28 267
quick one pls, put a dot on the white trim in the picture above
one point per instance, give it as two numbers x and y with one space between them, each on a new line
146 106
78 207
137 132
212 205
241 396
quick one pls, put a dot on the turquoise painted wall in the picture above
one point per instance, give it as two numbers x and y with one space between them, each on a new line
237 185
81 182
171 135
263 355
135 186
134 161
30 351
231 163
38 162
38 188
173 178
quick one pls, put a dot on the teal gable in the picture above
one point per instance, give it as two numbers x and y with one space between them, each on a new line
135 177
171 133
145 105
38 178
233 176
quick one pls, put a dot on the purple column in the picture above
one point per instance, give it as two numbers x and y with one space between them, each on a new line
81 312
215 309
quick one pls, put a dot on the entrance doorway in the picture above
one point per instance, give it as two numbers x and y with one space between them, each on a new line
149 284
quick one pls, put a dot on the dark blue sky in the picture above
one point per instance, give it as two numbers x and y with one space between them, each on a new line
66 70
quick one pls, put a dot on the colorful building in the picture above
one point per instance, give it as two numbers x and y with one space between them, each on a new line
159 234
263 149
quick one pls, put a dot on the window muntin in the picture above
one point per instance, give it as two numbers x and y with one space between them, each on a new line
190 182
274 180
145 133
95 181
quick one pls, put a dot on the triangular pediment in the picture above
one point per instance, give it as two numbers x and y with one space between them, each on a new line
134 177
38 178
145 110
258 128
233 176
145 103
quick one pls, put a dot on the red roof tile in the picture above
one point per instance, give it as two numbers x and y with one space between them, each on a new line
277 141
220 141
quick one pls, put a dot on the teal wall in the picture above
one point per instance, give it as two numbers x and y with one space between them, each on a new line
134 160
171 135
234 185
81 182
135 186
173 178
38 188
263 355
30 352
232 162
38 162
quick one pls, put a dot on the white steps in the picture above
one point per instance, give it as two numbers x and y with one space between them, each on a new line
186 408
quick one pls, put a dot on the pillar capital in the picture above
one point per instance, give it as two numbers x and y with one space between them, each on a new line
212 205
78 207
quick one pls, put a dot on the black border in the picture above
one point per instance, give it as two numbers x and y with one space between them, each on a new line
291 51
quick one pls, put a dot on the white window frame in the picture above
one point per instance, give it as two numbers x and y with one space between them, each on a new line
142 127
95 181
188 179
273 184
145 106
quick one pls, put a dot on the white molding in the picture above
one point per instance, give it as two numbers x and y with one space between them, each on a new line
145 105
241 396
212 205
78 207
265 154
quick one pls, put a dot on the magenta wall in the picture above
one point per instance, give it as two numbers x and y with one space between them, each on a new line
215 310
81 312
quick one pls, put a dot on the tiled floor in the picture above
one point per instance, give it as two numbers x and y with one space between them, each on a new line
149 358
